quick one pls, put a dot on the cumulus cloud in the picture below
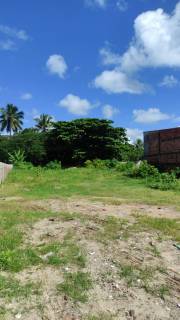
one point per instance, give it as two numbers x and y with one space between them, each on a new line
109 111
155 43
26 96
150 115
134 134
169 81
76 105
115 81
56 64
98 3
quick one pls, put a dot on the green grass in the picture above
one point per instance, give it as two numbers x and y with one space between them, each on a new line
133 274
167 227
66 253
12 288
75 286
112 229
18 259
83 182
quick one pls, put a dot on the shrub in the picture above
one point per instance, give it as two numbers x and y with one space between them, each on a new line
88 164
96 163
112 164
141 170
53 165
125 166
25 165
176 171
102 164
17 158
163 181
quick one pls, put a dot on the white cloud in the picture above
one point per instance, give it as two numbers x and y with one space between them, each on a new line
156 42
169 81
76 105
14 33
56 64
115 81
108 57
109 111
150 115
26 96
134 134
122 5
98 3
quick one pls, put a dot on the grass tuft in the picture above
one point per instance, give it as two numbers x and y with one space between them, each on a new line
75 286
12 288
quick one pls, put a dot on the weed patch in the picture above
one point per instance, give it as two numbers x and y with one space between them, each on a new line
64 253
17 260
11 288
113 229
168 227
75 286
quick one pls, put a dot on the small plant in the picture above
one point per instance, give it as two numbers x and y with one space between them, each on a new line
76 286
17 158
88 164
163 181
113 229
141 170
53 165
12 288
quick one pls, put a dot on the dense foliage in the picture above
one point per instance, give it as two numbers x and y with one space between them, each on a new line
71 143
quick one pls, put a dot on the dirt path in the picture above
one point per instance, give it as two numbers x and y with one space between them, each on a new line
97 207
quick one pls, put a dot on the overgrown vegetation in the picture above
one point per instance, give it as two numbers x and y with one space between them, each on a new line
71 142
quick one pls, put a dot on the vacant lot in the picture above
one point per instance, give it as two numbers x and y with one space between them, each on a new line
87 244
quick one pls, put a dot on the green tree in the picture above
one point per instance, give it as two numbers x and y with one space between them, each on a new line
73 142
11 119
43 122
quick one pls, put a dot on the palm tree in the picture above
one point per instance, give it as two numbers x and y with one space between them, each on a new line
11 119
44 122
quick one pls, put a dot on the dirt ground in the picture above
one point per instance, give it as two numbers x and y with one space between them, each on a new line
110 297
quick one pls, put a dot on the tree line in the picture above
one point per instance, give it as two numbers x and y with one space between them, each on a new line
71 142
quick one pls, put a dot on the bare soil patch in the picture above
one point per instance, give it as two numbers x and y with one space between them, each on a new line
135 274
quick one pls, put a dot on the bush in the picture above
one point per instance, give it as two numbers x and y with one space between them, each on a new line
53 165
141 170
17 158
163 181
176 171
102 164
97 163
125 166
25 165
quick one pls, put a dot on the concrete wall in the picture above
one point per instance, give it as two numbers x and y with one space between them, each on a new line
4 170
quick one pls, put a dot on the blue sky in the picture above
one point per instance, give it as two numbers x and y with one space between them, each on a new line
115 59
